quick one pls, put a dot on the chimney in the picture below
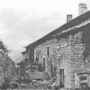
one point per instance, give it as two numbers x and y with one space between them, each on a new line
69 18
82 8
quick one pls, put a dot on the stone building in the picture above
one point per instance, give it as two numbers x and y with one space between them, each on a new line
63 50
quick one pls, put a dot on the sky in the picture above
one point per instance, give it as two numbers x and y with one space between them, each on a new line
24 21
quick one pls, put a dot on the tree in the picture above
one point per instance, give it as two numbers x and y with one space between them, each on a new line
3 48
8 67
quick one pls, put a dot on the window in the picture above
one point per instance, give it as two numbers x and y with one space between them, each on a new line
61 78
44 64
48 51
83 78
37 59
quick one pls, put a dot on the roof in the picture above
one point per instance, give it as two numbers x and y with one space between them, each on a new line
73 22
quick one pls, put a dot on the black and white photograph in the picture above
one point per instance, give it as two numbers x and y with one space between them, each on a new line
44 44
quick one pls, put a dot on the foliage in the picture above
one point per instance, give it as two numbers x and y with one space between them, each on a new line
7 67
3 47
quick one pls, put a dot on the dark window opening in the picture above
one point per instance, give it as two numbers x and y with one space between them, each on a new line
37 59
61 78
83 78
48 51
43 64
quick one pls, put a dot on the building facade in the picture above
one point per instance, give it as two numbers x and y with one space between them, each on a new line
62 52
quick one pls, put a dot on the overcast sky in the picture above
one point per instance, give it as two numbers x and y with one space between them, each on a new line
24 21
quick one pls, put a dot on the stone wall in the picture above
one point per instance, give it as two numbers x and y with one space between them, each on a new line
66 53
72 58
